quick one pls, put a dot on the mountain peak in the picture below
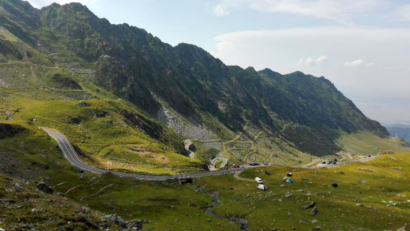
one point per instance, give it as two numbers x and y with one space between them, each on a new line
149 74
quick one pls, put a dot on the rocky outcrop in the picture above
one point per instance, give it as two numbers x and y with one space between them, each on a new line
47 211
44 188
192 148
8 130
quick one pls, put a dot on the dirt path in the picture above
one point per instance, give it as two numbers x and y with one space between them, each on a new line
236 175
96 192
312 162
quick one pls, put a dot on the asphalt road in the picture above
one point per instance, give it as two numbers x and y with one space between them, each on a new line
71 155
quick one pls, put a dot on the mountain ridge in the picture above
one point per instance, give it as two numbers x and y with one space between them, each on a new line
306 113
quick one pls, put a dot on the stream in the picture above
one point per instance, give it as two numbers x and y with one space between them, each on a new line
215 203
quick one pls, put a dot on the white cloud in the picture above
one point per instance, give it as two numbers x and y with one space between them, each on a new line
340 33
279 47
404 13
358 63
311 61
329 9
226 47
386 51
220 10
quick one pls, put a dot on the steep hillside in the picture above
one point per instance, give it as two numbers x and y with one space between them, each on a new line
24 207
106 87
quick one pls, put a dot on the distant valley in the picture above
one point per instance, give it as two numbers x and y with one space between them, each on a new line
399 130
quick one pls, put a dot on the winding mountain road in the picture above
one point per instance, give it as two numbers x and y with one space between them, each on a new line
223 164
71 155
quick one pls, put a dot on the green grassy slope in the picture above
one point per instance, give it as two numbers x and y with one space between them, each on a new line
366 190
370 196
381 186
112 134
366 143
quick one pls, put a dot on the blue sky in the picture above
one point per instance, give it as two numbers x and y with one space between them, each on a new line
363 46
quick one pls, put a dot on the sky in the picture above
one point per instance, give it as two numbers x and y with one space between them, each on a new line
362 46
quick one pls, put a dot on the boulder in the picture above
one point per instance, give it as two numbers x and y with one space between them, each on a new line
112 217
135 224
18 186
310 205
244 224
120 221
314 211
192 148
44 188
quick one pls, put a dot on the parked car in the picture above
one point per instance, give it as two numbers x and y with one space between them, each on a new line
262 187
254 164
259 180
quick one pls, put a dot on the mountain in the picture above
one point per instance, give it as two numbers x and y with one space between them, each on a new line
125 98
400 130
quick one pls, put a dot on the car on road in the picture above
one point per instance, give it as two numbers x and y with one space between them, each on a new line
262 187
259 180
